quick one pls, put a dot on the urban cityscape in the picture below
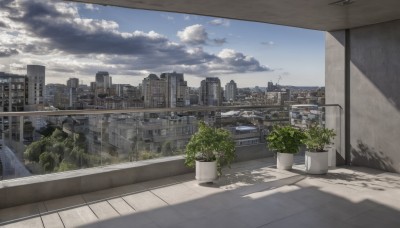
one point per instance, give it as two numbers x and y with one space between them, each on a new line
58 143
213 113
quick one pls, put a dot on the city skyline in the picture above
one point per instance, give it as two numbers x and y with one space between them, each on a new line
81 40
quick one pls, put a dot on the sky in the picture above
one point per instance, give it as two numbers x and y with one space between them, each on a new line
78 40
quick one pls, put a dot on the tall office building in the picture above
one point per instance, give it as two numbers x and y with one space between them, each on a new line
73 83
231 91
210 92
12 92
103 82
36 84
154 92
177 94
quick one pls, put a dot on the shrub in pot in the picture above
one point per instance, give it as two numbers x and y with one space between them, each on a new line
286 141
316 158
209 149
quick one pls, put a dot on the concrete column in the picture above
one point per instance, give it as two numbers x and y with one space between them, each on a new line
335 92
362 75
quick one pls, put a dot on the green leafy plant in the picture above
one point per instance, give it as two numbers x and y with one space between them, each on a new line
210 144
285 139
316 138
59 151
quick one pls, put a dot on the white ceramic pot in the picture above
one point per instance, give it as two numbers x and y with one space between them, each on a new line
206 171
284 161
316 162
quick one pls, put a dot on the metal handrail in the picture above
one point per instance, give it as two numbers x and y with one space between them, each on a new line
133 110
149 110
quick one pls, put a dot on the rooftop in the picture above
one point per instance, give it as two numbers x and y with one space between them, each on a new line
251 194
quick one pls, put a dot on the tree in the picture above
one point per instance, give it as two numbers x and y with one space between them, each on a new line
48 161
34 150
59 152
65 166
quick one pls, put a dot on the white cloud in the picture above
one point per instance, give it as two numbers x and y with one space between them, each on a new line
220 22
55 34
91 7
193 35
197 35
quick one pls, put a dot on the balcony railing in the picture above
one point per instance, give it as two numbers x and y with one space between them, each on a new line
34 143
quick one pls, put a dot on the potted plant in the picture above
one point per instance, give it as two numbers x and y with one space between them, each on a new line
316 158
209 149
286 141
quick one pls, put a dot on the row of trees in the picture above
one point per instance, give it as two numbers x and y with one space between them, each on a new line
58 151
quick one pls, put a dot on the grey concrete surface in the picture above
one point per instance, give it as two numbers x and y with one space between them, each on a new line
51 186
374 92
312 14
375 96
334 88
251 194
46 187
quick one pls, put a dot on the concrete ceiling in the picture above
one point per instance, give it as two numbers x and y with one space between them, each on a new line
311 14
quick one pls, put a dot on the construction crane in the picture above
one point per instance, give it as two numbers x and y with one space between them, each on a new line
279 78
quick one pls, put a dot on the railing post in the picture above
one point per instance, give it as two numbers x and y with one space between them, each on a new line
21 129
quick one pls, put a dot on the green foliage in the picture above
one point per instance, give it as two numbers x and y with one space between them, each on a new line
65 166
59 152
33 151
48 161
317 137
285 139
145 155
210 144
59 135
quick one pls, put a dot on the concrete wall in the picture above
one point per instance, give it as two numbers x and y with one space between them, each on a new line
45 187
51 186
374 79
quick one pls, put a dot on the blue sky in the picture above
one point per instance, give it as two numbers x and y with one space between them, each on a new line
81 39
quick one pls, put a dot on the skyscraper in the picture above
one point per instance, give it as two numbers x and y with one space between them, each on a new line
210 92
103 82
154 92
73 83
36 83
12 92
177 94
231 91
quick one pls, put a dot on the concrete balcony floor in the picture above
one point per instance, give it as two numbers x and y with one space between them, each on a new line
251 194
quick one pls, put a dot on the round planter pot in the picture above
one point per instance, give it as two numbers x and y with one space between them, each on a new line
316 162
284 161
206 171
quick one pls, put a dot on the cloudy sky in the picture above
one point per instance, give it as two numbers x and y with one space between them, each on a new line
77 40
